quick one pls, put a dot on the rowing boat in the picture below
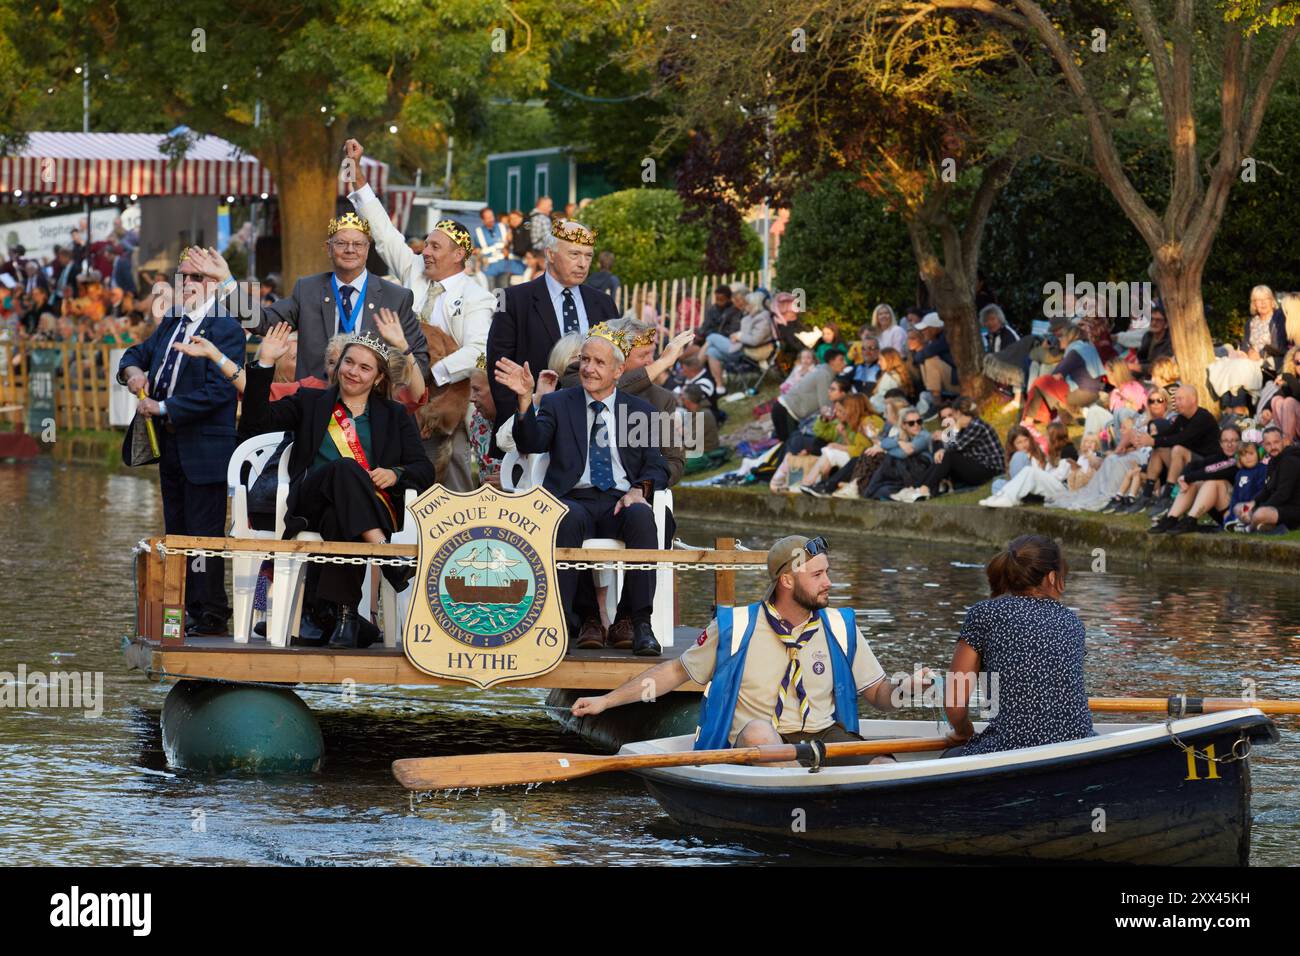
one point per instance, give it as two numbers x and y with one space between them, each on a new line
1153 793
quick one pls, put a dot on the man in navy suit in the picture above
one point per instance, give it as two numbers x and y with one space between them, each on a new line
536 314
596 468
192 404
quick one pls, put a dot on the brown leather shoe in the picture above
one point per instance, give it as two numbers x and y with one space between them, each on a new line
620 635
591 636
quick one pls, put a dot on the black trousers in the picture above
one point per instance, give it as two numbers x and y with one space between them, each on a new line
338 501
782 423
198 510
591 515
963 471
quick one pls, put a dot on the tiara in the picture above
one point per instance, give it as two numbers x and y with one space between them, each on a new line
575 232
372 342
349 220
458 233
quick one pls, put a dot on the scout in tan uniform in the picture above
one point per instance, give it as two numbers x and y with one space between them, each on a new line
791 668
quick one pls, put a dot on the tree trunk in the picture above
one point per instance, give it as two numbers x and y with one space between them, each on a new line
1180 288
952 294
306 177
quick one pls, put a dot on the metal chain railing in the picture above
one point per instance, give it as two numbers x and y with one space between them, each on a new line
300 556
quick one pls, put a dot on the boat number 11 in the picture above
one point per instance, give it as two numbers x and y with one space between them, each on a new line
1210 763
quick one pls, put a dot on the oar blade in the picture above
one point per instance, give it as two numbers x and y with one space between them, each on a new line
493 770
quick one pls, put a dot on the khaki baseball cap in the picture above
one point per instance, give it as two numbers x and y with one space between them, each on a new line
786 550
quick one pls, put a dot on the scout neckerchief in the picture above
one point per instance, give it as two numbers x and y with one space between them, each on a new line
343 433
794 640
350 323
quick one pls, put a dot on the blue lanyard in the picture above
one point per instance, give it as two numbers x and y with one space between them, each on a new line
351 322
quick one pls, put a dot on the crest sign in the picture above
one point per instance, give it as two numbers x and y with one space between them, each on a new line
486 602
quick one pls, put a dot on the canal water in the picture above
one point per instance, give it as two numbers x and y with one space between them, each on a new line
96 790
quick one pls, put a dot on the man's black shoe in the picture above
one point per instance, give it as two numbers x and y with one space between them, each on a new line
1114 504
1163 525
348 628
643 640
206 625
310 634
1183 525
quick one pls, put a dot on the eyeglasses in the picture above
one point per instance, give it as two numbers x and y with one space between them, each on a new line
912 421
817 546
348 246
1156 401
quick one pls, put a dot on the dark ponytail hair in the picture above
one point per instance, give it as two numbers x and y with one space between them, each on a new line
1024 565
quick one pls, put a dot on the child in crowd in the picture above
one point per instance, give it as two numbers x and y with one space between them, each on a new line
830 340
1249 481
1089 461
1022 452
806 363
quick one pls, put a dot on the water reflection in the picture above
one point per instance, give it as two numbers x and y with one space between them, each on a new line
99 791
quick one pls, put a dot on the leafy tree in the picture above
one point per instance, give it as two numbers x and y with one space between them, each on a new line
291 83
1192 57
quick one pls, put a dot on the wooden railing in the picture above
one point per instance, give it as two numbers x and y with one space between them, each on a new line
679 303
160 581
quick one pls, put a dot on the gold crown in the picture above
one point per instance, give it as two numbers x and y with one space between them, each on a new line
642 338
458 233
482 362
372 342
349 220
616 337
575 233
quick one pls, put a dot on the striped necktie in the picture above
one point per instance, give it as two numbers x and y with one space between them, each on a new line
794 640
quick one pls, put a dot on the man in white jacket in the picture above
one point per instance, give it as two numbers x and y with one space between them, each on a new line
445 297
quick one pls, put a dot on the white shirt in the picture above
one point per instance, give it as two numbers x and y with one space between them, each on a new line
620 473
556 290
184 331
356 284
452 285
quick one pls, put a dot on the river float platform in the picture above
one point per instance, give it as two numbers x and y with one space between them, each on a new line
166 654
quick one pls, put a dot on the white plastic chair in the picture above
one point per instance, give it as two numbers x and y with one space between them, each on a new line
661 613
534 470
255 453
287 588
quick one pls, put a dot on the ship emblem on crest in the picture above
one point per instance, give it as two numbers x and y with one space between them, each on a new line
486 609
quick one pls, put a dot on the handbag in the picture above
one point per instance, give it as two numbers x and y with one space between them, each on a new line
138 451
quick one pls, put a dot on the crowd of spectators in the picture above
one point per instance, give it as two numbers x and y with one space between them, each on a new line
1101 418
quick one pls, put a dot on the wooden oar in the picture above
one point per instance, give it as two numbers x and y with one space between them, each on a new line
499 770
1187 706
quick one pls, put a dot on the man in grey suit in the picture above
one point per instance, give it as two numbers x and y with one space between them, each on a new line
346 299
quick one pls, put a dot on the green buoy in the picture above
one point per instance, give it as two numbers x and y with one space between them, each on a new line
220 728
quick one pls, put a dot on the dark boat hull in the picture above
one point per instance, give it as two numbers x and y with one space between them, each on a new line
1129 805
463 593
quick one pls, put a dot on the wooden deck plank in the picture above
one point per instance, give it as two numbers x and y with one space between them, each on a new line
220 658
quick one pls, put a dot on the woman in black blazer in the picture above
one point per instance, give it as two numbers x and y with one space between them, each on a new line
355 452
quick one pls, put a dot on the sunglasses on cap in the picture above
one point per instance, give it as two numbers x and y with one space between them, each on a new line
817 546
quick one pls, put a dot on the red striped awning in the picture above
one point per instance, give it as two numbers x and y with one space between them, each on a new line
103 164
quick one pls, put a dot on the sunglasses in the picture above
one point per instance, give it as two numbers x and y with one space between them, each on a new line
817 546
912 421
1156 401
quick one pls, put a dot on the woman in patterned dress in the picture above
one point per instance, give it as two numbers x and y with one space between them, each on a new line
1029 648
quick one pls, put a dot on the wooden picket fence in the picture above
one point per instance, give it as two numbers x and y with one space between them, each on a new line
679 303
84 374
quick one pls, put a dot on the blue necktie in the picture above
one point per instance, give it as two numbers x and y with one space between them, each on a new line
570 313
599 459
345 308
162 384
